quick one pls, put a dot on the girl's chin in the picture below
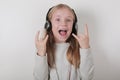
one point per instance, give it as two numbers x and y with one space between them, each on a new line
61 40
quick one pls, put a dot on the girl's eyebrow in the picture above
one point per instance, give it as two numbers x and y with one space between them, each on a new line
70 16
66 16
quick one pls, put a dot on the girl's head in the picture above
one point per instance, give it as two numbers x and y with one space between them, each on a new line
60 24
61 21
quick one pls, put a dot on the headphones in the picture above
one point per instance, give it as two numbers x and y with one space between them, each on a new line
48 25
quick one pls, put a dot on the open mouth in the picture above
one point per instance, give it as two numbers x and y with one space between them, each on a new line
62 32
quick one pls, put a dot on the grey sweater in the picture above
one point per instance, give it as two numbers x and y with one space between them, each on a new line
64 70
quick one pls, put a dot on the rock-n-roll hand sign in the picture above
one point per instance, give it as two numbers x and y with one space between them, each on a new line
83 39
41 44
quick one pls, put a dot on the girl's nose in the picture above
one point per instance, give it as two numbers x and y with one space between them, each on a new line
63 22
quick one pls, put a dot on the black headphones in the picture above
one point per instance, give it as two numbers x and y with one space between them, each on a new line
48 25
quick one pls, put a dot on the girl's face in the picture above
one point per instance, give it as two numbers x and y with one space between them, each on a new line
62 22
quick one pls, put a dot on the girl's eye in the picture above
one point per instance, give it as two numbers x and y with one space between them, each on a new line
57 19
68 20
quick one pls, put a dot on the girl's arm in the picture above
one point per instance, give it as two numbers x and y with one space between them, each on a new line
41 65
41 68
86 66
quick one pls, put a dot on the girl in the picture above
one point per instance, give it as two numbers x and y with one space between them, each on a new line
62 54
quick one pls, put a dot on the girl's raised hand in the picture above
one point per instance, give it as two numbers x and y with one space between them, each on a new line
41 44
83 39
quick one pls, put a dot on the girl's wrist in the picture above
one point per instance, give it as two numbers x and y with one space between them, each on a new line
40 53
85 47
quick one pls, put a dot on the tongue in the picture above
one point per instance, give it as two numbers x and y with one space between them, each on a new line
63 33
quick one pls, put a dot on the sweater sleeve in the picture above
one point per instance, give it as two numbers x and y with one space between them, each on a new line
41 68
86 66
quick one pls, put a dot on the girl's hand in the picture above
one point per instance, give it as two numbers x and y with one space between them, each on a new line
41 44
83 39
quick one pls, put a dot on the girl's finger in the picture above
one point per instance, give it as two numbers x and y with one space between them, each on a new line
46 38
75 36
86 30
37 36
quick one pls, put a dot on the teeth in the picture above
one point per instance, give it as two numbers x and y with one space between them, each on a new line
63 30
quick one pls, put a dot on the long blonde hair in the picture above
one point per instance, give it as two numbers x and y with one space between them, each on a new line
73 53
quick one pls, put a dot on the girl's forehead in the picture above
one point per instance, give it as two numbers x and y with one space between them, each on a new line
63 11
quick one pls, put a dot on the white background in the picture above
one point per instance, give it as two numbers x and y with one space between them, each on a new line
21 19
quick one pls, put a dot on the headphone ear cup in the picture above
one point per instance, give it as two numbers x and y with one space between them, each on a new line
76 26
47 25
